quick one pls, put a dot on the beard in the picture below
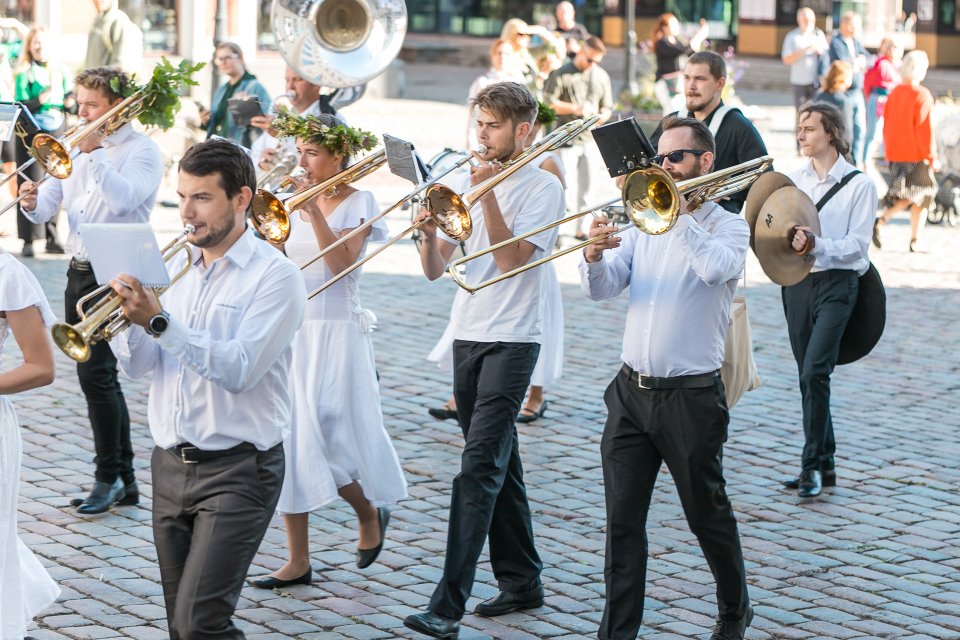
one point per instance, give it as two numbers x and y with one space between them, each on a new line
697 103
216 233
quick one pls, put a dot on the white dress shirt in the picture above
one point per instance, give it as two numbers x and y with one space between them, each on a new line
681 285
509 311
117 183
846 221
221 369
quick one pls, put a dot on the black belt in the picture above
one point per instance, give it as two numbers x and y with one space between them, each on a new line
192 455
81 265
697 381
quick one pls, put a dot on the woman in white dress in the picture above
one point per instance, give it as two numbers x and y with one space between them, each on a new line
549 365
338 445
25 586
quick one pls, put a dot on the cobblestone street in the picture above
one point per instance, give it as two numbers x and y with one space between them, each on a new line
876 557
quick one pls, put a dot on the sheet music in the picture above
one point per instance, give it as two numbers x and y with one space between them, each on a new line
125 248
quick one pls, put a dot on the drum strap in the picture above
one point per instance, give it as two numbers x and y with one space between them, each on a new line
840 185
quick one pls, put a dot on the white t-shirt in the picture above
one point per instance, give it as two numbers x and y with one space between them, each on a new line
803 72
509 311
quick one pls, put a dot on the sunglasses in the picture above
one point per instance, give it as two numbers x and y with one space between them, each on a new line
676 156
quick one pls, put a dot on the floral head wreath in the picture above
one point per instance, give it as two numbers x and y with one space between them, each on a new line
545 114
338 139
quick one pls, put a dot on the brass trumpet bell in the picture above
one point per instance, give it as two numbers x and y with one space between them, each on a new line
71 341
449 211
270 217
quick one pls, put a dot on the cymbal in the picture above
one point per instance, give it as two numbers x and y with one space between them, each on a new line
786 208
762 188
867 320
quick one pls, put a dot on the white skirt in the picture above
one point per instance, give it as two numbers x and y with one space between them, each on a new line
337 435
25 586
549 366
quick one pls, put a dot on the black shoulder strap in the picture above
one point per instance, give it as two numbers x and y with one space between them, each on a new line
840 185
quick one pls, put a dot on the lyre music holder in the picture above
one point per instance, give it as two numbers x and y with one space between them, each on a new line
623 146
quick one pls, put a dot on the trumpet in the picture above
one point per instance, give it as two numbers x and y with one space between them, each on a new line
651 200
105 318
271 216
451 211
283 164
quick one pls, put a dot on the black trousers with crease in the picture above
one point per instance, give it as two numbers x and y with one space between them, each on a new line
685 428
489 496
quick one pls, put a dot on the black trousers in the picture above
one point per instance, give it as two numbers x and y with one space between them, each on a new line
817 311
489 497
26 230
208 521
685 428
99 382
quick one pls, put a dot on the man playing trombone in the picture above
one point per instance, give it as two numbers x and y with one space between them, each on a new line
495 348
114 179
667 402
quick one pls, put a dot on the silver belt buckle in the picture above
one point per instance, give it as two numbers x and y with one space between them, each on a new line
183 455
640 378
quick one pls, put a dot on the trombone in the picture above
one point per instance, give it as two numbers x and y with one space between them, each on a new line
105 318
56 155
271 216
450 210
651 199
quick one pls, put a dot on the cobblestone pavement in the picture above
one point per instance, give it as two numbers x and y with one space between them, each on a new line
876 557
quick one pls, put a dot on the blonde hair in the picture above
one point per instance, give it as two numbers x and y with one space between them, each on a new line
26 56
513 28
914 66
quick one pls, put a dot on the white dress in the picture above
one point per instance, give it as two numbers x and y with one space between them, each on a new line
549 365
337 435
25 586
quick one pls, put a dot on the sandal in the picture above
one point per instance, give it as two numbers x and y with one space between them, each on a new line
443 413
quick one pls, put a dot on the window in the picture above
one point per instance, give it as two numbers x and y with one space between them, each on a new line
158 21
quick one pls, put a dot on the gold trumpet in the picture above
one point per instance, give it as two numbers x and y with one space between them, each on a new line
651 199
105 318
450 211
271 216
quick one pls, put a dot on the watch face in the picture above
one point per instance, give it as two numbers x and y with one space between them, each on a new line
158 324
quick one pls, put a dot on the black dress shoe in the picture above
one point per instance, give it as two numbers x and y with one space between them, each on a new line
131 496
509 601
827 476
102 496
365 557
433 625
733 629
271 582
524 418
54 248
811 483
443 413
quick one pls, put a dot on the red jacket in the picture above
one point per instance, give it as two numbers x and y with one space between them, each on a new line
907 134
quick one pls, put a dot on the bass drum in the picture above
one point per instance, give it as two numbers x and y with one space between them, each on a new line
439 163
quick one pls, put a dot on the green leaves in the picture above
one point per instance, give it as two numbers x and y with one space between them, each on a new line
545 114
338 140
163 90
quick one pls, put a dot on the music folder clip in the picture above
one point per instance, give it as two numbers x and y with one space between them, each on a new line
623 146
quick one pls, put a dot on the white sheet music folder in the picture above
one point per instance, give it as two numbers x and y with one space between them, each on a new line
125 248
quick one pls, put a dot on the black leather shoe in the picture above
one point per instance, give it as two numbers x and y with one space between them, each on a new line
811 484
102 496
54 248
442 413
733 629
131 496
509 601
270 582
365 557
827 476
524 418
433 625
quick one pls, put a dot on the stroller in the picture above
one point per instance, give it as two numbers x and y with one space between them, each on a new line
946 207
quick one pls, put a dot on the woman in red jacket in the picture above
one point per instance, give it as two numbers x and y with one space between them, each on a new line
911 150
878 82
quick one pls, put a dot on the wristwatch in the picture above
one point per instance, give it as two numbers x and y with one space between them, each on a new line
158 324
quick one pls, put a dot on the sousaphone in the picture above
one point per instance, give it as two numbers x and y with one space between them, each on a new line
339 43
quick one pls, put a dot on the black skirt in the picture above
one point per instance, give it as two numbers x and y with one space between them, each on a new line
911 181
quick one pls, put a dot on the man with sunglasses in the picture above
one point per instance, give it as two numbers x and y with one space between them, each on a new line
737 140
579 89
667 403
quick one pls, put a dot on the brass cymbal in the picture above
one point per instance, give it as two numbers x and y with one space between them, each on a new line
762 188
786 208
